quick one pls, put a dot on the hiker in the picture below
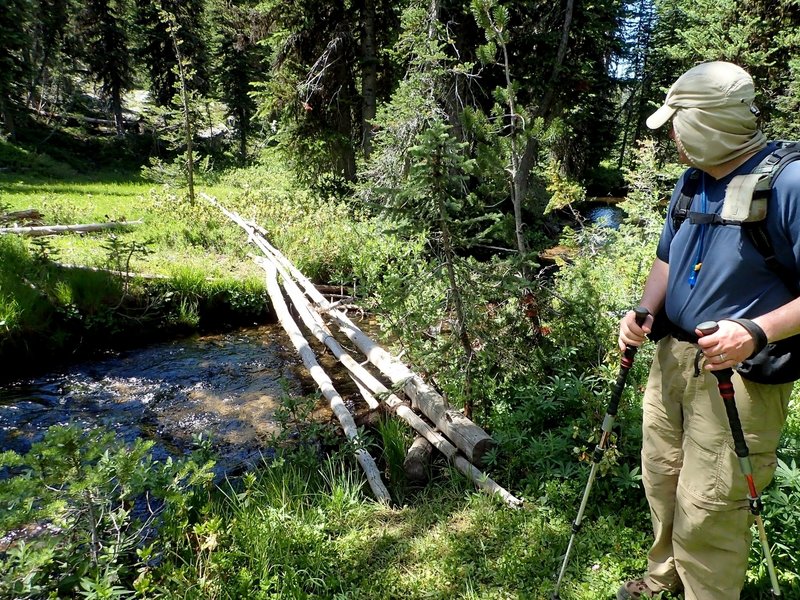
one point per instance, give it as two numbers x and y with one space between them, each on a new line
708 269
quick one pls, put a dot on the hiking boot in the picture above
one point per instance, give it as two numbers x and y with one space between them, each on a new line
633 590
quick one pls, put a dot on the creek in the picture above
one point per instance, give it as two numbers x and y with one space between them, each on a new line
605 215
226 386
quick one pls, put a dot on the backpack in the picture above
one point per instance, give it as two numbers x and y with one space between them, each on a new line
746 205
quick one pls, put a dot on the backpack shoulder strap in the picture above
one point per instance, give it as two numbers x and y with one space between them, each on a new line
680 210
772 165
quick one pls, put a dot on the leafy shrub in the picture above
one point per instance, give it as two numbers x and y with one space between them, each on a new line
78 506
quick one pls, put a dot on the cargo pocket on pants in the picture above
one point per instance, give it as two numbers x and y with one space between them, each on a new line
702 477
732 485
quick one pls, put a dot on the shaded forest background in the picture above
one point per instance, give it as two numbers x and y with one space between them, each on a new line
346 86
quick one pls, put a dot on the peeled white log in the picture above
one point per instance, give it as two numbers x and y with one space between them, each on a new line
473 441
56 229
481 480
325 384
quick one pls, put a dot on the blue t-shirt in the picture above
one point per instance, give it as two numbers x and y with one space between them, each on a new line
734 280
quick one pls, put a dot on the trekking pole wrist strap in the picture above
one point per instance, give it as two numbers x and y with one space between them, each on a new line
758 335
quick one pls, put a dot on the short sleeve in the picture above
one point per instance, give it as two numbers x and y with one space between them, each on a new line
668 231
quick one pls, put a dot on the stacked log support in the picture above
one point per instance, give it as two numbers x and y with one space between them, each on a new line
417 464
462 442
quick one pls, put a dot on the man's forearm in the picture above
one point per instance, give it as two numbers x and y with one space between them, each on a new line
781 323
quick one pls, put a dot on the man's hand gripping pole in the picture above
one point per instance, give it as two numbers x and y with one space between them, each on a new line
626 362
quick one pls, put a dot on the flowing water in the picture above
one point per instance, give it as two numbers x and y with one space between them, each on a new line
605 215
226 386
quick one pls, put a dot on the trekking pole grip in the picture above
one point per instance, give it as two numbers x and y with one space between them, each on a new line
725 385
640 314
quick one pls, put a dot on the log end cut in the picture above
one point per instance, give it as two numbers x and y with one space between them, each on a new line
417 465
481 449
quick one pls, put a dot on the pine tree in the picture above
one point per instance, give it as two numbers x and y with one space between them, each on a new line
321 52
108 57
156 49
51 25
239 61
15 19
761 36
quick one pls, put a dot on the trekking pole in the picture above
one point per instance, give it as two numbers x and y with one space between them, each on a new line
742 451
608 423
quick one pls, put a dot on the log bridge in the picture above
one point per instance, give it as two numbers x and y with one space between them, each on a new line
438 425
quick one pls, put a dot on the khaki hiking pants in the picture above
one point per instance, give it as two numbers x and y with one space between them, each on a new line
694 484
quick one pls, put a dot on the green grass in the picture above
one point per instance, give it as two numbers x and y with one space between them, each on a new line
295 534
106 198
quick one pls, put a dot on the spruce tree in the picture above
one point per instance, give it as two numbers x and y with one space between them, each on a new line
156 49
107 43
14 68
760 36
239 60
52 25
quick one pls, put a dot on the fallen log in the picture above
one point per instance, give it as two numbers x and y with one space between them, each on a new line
325 384
57 229
332 290
73 267
29 214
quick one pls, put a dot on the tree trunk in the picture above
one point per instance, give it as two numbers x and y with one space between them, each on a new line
527 159
188 129
455 292
8 119
244 125
563 46
433 16
116 103
369 76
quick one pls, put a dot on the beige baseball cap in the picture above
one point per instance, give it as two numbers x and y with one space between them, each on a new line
708 85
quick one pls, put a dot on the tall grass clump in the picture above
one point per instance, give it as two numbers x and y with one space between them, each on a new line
395 438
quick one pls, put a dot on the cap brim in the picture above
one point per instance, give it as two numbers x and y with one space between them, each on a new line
661 116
